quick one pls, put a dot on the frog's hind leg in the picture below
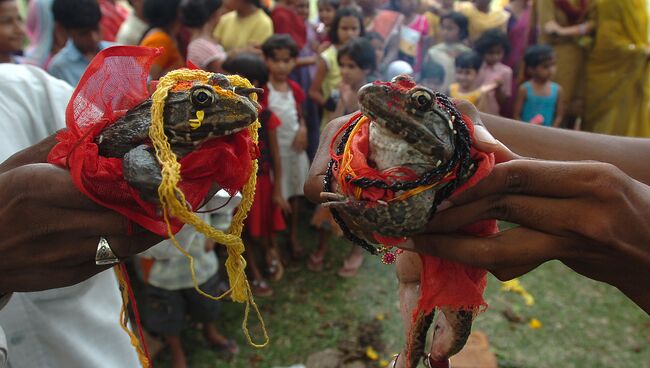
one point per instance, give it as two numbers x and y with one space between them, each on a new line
141 170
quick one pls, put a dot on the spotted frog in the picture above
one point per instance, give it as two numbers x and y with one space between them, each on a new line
409 128
192 116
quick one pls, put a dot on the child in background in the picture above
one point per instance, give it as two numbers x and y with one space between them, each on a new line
347 24
284 98
377 43
200 17
326 13
170 295
467 69
432 76
493 45
12 33
357 61
79 19
265 217
162 16
539 99
453 32
408 45
287 21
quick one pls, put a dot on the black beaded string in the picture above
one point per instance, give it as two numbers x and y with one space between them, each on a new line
460 158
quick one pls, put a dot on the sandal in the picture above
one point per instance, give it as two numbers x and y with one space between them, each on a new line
275 268
315 264
348 269
261 289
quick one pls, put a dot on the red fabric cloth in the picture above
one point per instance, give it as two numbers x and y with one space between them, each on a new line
114 82
264 218
443 283
287 21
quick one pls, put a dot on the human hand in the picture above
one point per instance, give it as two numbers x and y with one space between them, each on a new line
323 46
279 201
590 215
52 230
299 143
552 27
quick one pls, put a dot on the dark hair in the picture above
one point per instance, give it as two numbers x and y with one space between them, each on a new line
372 35
333 3
196 13
461 21
537 54
160 13
432 70
76 14
491 38
469 60
248 65
360 50
279 42
345 12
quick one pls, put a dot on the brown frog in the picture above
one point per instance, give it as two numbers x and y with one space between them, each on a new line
411 127
191 117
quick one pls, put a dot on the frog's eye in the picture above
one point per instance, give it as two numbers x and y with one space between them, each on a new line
202 97
422 99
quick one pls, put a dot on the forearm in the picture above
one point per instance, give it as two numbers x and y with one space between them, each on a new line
567 145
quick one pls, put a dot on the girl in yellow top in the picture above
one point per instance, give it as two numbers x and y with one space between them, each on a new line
481 17
347 24
467 67
246 26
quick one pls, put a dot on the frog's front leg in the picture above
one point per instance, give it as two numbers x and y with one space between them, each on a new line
142 171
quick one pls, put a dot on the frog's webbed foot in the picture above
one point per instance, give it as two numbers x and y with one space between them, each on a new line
141 170
451 331
359 216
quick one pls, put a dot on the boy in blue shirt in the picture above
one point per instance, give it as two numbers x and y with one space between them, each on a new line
79 19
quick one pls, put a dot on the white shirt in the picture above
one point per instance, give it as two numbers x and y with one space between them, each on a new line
76 326
283 105
132 30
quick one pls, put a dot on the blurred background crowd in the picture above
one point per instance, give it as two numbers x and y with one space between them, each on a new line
570 64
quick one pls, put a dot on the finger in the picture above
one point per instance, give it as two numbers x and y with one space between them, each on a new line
534 177
551 215
328 196
512 248
34 154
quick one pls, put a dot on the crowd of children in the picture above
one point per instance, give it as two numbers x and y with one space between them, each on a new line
310 58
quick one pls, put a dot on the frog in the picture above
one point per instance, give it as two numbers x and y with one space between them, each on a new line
408 128
192 116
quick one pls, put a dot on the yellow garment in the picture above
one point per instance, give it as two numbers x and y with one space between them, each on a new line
332 78
617 91
480 22
434 25
570 56
234 32
473 96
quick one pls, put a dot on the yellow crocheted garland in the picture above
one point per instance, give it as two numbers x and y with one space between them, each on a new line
173 203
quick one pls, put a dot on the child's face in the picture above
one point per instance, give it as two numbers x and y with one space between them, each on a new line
86 39
326 14
449 31
348 29
494 55
466 77
351 73
302 8
378 45
280 65
12 33
544 71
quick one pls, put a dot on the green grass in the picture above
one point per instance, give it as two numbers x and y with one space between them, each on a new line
585 323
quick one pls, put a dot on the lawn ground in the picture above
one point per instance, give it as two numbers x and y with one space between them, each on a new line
584 323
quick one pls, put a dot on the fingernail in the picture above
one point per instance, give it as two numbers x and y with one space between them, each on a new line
444 205
482 135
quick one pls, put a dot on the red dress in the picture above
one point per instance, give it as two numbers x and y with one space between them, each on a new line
264 218
286 21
